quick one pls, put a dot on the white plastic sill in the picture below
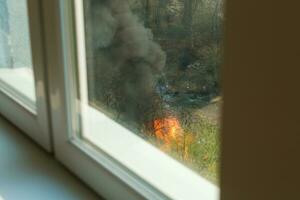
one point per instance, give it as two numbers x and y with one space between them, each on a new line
161 171
29 173
21 80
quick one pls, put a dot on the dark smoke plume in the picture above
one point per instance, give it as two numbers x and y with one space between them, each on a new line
128 62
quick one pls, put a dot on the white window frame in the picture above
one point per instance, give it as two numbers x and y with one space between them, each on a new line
30 118
99 167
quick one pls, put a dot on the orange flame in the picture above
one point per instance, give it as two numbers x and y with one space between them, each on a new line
167 130
171 136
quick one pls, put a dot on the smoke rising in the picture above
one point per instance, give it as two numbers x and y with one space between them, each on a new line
127 61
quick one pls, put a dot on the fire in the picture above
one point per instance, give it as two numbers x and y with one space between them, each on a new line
170 135
167 130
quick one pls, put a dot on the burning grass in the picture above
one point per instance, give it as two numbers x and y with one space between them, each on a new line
171 137
194 142
192 138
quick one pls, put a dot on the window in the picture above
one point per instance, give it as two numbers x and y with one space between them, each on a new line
153 66
133 89
22 73
140 89
16 72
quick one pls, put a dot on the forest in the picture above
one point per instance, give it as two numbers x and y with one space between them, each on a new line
153 66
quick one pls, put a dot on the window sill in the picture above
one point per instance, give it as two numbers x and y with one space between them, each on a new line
27 172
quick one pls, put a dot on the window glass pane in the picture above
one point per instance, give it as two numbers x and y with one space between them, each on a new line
153 66
16 74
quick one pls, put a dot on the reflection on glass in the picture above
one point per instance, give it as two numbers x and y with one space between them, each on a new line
15 52
153 66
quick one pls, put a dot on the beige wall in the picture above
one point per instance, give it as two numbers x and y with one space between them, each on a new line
261 124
